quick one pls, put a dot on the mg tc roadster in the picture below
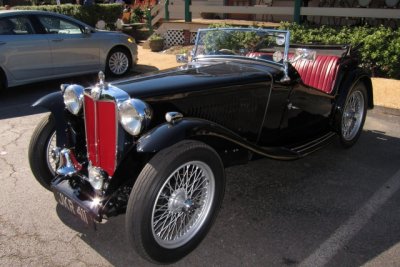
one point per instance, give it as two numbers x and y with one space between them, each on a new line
155 146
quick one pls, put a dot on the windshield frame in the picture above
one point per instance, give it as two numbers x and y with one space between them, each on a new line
202 32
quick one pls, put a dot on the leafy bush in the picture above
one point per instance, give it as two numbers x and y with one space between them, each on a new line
379 50
137 15
88 14
379 46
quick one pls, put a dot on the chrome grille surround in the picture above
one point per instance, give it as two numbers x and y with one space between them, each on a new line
100 95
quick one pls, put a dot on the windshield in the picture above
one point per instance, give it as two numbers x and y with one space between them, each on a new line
263 44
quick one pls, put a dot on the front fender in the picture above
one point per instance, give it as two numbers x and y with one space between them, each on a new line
55 104
215 135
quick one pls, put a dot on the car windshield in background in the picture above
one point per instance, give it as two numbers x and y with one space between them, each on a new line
263 44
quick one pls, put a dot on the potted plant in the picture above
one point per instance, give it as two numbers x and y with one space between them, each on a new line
156 42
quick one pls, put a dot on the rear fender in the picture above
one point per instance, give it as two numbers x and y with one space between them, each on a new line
55 104
348 82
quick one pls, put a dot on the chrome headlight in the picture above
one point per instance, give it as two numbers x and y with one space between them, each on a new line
134 115
73 98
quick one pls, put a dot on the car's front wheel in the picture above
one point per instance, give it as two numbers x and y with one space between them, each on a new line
353 116
118 62
43 141
175 201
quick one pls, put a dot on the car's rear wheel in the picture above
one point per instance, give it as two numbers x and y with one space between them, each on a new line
118 62
3 82
175 201
353 116
42 143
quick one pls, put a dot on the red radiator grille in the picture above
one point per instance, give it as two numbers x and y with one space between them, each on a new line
101 133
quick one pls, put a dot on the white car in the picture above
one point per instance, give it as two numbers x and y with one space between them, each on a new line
39 45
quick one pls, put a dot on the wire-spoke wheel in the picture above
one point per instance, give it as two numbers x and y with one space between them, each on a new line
353 115
174 201
182 204
118 62
41 146
51 162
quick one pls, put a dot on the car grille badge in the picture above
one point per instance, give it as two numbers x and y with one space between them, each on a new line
96 92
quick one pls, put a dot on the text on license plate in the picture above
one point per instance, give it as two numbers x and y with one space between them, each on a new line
72 207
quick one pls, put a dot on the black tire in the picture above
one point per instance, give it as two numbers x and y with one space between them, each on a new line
119 62
150 196
39 151
353 118
3 82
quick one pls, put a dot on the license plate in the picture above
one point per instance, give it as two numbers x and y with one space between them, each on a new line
74 208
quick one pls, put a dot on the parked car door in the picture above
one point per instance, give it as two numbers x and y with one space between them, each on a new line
73 51
24 54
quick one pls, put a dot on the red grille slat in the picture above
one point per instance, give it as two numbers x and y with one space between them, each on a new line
100 122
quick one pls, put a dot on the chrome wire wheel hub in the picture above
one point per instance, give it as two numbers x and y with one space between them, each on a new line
352 115
51 159
118 63
183 204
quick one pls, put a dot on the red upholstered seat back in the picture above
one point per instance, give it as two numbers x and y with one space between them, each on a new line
320 74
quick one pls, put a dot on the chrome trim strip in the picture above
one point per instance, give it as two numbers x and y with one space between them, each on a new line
313 143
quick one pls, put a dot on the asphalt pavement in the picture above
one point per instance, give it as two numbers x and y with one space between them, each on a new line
336 207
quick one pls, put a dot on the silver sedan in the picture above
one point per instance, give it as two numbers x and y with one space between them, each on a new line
39 45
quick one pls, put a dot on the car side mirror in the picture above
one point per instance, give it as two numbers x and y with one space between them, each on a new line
87 31
182 58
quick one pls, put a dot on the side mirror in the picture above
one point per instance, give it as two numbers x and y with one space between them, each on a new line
87 31
182 58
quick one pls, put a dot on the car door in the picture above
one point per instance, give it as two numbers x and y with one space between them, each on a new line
307 115
73 51
20 50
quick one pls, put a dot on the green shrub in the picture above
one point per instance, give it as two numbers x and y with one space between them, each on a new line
137 15
379 51
88 14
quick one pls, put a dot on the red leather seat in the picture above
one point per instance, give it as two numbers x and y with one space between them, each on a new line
320 74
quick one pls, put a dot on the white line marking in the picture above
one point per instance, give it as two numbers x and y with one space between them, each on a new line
353 225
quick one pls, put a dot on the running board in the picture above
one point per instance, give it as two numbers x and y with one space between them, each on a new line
313 145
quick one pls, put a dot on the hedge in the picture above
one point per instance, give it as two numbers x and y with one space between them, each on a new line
88 14
379 50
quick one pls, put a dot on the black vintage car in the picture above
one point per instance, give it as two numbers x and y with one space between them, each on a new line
155 146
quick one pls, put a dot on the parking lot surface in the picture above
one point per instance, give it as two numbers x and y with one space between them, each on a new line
336 207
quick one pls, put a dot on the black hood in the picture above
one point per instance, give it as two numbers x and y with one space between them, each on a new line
194 77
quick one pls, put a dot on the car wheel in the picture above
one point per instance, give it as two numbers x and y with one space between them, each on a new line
353 116
175 201
42 143
2 82
118 62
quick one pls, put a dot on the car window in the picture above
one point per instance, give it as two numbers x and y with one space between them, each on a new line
56 25
16 25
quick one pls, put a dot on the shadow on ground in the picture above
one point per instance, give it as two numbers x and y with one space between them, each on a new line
279 213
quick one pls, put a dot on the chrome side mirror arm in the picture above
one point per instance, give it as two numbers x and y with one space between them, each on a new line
285 78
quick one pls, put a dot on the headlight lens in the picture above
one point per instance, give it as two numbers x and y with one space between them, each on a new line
134 115
73 98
